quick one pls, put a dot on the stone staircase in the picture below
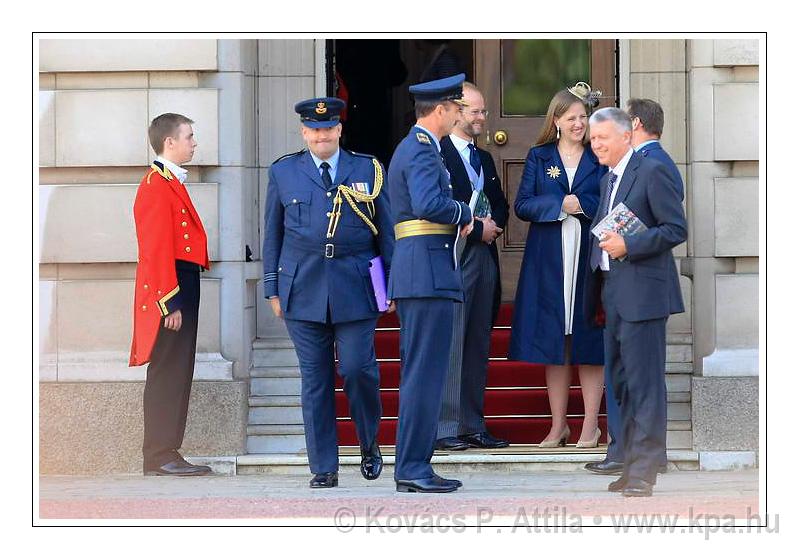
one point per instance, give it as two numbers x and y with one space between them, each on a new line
275 424
275 420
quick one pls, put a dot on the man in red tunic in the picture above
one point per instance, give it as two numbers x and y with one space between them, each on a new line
172 252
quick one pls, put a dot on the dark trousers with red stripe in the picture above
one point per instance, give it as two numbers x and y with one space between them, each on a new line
169 378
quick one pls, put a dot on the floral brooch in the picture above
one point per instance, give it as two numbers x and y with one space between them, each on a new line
554 172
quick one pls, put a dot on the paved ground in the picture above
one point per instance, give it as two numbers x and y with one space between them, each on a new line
545 498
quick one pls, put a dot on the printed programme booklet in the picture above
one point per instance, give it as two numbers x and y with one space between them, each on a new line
621 220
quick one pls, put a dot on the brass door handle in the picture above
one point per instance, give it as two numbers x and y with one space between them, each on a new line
500 137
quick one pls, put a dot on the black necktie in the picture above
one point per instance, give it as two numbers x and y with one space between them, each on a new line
474 159
326 175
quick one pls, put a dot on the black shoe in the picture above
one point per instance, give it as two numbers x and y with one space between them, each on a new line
324 480
636 488
451 444
434 484
618 485
605 467
448 480
178 467
371 462
483 440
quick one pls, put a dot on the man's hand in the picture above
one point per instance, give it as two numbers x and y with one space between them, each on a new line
571 204
276 307
174 320
467 229
614 244
490 230
392 307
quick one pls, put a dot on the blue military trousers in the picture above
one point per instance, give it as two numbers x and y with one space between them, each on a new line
354 342
426 332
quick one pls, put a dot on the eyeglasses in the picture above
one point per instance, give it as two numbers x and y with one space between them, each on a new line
476 112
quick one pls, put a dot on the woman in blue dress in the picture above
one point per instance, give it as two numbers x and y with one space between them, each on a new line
559 195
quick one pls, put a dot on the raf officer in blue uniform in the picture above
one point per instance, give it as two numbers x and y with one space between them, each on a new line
425 280
327 217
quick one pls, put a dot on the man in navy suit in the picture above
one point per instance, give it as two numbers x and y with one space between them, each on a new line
461 422
326 217
425 279
639 290
647 124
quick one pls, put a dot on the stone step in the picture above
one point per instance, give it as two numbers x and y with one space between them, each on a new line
514 458
275 357
275 401
274 386
273 430
289 443
679 367
289 371
679 353
679 383
290 414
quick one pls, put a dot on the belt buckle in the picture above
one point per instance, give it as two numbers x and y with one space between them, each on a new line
329 250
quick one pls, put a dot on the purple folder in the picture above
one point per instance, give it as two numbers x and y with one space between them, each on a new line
378 277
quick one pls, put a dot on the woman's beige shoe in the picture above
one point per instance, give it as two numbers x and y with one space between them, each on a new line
590 442
560 442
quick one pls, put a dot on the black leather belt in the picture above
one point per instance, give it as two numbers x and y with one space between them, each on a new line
330 250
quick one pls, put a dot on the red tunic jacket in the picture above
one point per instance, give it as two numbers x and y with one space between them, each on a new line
167 228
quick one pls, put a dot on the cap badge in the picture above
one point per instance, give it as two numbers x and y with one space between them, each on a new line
321 109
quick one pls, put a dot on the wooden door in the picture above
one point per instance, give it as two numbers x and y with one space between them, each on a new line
518 77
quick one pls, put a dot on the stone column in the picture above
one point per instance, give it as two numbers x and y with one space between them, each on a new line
723 167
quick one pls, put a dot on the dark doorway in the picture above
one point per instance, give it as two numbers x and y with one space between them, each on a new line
373 75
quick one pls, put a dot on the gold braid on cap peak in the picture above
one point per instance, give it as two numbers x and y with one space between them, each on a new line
352 195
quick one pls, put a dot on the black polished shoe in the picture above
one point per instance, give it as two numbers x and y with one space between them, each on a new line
448 480
451 444
371 462
484 440
636 488
324 480
434 484
618 485
605 467
178 467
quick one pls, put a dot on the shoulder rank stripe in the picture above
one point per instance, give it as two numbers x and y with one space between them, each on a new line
423 138
288 156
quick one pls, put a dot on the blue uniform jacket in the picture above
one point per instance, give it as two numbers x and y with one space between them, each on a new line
656 151
296 223
419 188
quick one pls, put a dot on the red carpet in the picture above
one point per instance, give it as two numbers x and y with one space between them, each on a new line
516 405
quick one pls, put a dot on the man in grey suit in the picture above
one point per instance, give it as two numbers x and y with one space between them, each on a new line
637 284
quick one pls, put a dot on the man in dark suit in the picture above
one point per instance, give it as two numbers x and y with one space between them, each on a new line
425 279
326 218
461 422
647 124
640 289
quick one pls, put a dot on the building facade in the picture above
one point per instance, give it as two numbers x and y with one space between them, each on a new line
96 98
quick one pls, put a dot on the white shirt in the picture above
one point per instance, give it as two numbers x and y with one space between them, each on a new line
618 170
176 170
461 145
